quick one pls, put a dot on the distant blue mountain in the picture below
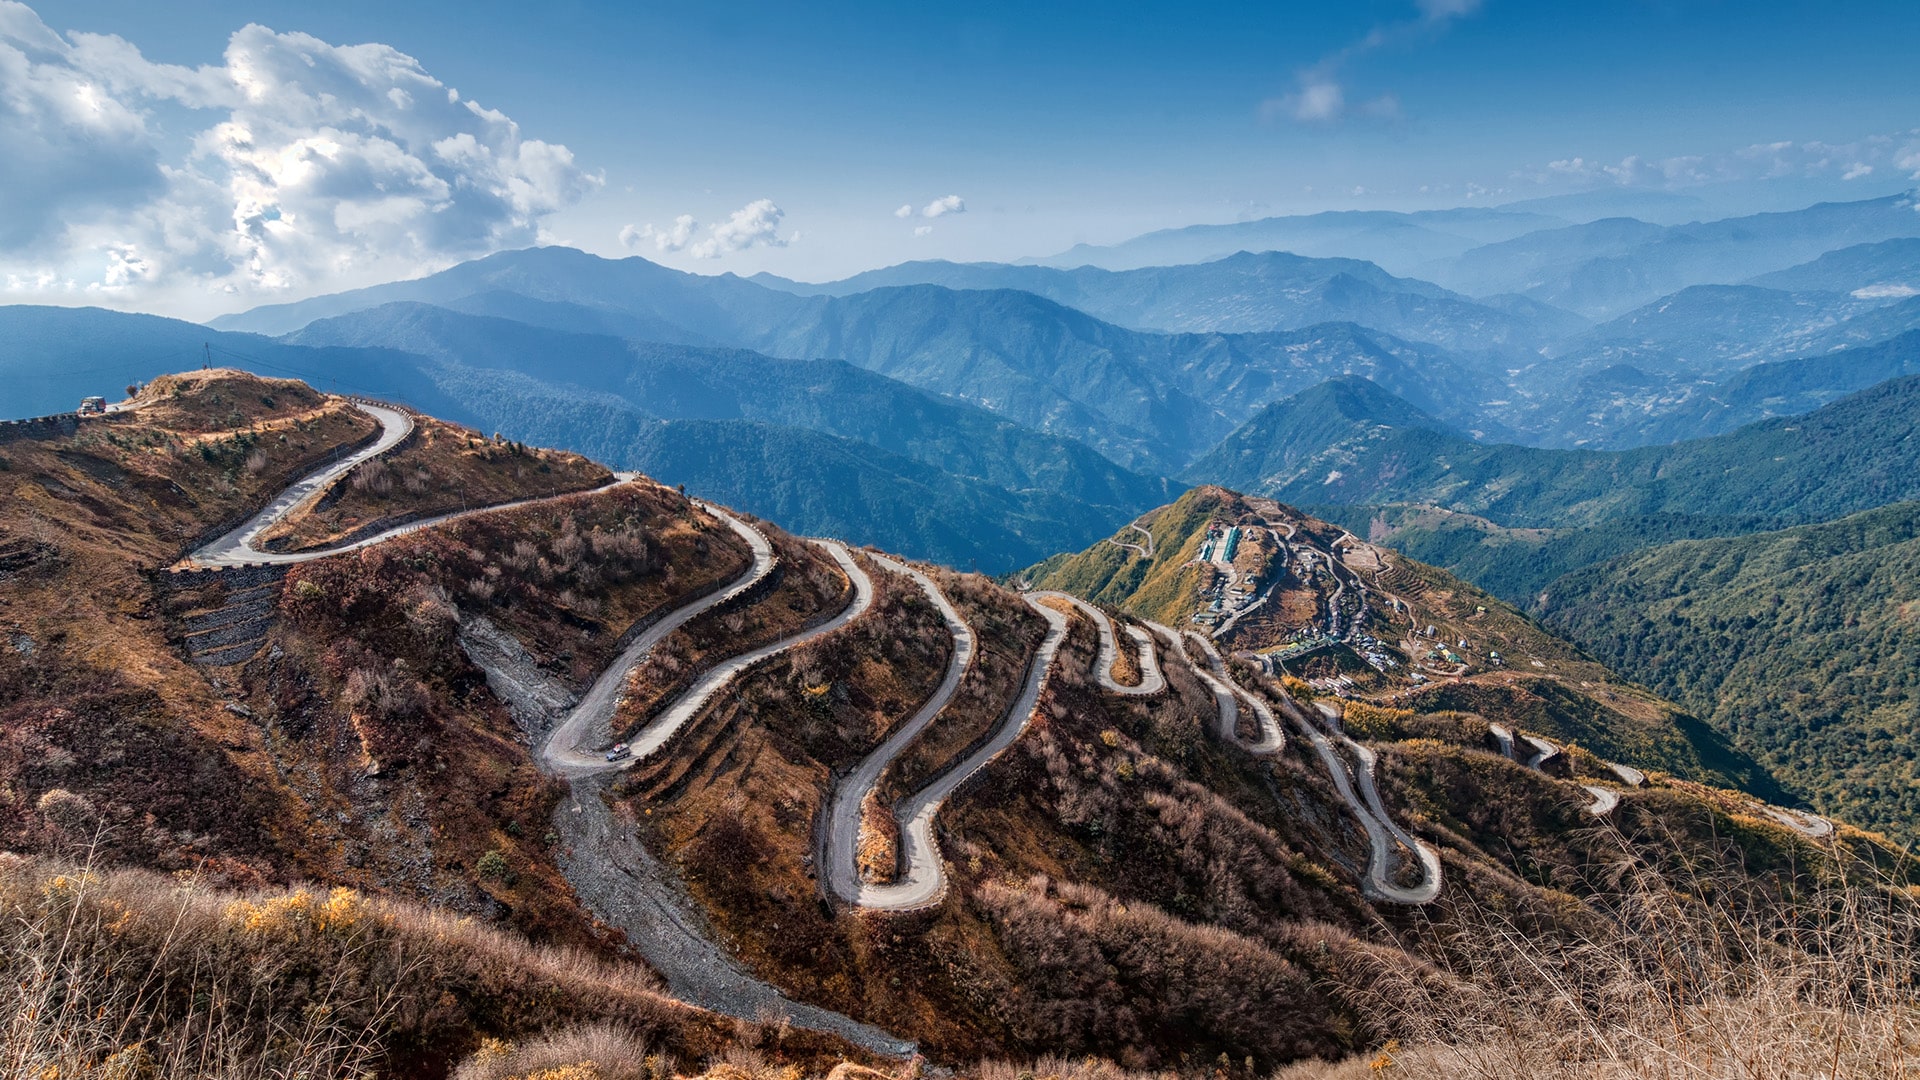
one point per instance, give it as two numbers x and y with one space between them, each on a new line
830 447
1147 400
1397 241
1244 292
1606 268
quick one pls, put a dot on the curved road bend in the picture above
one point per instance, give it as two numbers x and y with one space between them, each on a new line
1226 692
236 547
1631 776
843 818
1502 735
1543 752
1382 836
563 752
569 759
1799 821
1151 680
1605 800
697 970
925 879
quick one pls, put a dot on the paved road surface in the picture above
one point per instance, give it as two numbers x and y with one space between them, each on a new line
609 868
1143 552
1801 822
1543 752
925 880
236 547
659 731
1382 836
566 749
843 818
1605 800
1227 694
1631 776
1151 680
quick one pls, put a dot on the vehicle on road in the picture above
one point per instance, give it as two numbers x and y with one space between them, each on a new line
92 405
619 751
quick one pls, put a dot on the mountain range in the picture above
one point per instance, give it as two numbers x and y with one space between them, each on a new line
1483 564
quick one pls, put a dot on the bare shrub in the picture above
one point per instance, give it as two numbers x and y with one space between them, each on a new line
879 851
257 462
1813 975
612 1053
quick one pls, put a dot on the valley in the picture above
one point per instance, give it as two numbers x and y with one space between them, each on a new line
1176 542
778 713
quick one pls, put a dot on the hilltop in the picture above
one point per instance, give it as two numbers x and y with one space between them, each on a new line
902 808
1345 614
1514 517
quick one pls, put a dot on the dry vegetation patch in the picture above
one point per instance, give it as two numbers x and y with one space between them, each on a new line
440 469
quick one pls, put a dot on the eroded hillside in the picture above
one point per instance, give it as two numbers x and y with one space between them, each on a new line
902 807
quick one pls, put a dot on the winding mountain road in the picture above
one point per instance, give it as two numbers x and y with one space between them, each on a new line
1383 836
1227 694
236 547
562 751
1811 825
924 881
1605 800
843 815
1143 552
659 731
1151 679
612 872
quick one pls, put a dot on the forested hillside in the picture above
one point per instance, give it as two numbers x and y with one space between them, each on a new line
1803 644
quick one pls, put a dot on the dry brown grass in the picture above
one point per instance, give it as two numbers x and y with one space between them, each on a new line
879 856
126 973
1693 970
440 469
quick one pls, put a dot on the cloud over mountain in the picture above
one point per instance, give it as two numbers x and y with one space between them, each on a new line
304 161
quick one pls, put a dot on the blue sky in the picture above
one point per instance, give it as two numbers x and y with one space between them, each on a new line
793 136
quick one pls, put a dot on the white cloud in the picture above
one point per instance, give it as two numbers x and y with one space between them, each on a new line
306 165
1889 291
674 237
1320 96
905 211
756 224
946 204
922 230
1758 161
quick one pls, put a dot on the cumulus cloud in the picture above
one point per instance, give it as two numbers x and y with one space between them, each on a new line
922 230
674 237
905 211
946 204
306 165
756 224
1320 96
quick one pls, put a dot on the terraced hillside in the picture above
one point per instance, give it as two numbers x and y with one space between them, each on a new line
632 722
